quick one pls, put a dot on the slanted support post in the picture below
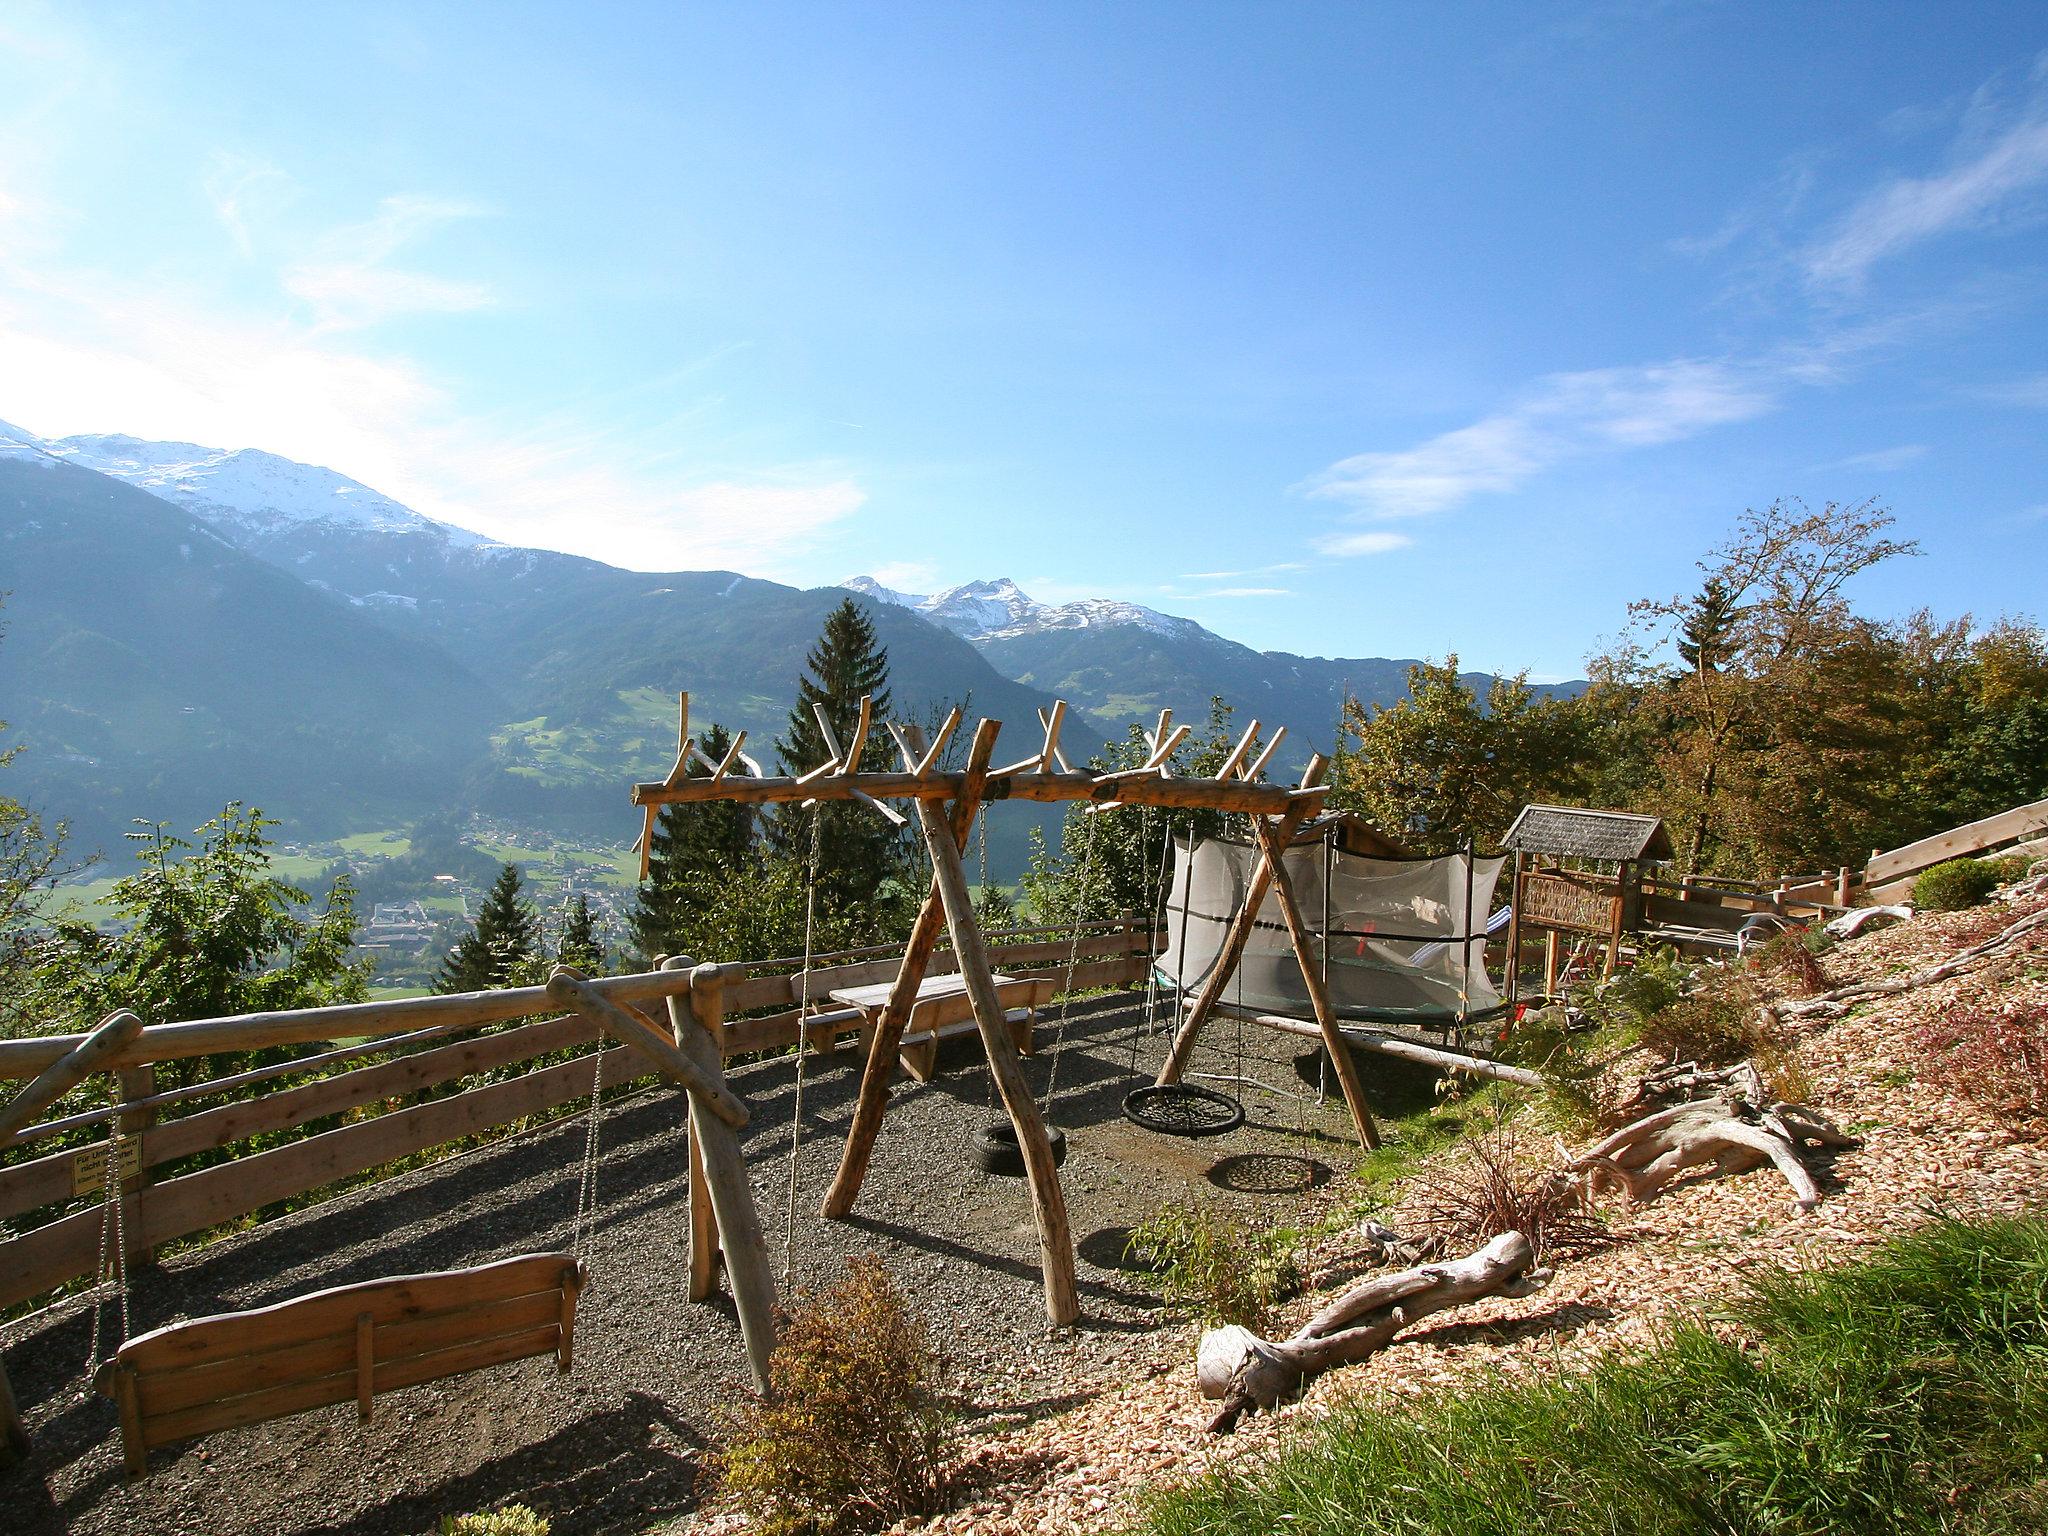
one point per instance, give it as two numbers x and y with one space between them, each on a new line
707 1007
1318 994
924 936
725 1174
1240 931
1048 1201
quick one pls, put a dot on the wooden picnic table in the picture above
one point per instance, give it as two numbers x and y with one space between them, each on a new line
941 1011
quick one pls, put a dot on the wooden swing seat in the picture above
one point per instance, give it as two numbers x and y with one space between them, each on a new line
235 1368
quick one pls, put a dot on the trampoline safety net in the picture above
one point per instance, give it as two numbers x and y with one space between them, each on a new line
1405 939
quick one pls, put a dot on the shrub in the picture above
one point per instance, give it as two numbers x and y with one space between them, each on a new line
1996 1055
1955 885
1495 1190
1220 1269
508 1520
1717 1025
1620 1006
1791 962
855 1432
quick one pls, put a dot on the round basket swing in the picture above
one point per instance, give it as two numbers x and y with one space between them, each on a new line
1183 1109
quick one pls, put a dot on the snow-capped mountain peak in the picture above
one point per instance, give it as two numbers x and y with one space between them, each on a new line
999 609
24 446
260 492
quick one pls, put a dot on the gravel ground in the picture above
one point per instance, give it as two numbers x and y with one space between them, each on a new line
616 1445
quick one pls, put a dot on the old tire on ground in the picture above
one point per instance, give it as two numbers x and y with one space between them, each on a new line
996 1150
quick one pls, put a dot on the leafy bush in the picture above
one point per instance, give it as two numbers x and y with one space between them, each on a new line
1906 1393
1621 1005
1996 1055
855 1431
1220 1269
1953 886
509 1520
1716 1025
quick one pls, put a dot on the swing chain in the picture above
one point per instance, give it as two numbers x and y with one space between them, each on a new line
803 1013
113 1260
586 1194
1059 1039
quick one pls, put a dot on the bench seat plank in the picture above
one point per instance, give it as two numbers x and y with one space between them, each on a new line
237 1368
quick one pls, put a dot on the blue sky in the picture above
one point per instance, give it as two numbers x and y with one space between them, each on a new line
1346 329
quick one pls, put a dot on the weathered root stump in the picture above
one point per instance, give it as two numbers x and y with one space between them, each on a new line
1728 1131
1248 1372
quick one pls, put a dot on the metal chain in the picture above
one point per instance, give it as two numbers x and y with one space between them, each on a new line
113 1262
803 1013
1059 1039
586 1194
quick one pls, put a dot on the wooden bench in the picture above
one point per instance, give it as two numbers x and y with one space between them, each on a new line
949 1015
353 1341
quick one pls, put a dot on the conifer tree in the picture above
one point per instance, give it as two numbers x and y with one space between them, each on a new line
711 838
506 935
579 945
857 850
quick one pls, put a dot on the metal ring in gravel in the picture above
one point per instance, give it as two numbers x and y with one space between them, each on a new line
1268 1173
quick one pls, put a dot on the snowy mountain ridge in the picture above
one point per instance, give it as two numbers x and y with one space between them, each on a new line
258 492
1001 610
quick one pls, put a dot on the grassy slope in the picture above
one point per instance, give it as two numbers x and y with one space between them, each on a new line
1905 1393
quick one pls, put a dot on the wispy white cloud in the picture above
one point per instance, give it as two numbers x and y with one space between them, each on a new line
1563 416
1277 569
2031 392
245 191
349 282
1882 459
1989 183
86 352
1202 597
910 576
1370 541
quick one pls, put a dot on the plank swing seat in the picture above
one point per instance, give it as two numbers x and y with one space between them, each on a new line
353 1341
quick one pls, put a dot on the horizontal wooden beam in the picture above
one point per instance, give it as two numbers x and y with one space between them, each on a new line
1051 788
343 1021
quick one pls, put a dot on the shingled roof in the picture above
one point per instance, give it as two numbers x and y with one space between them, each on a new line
1568 832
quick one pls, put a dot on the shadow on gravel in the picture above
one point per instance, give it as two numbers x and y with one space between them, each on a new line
911 1237
603 1473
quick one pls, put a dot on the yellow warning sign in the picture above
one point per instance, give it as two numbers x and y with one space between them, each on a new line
89 1168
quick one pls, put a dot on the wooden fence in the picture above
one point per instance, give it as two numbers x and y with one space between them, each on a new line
51 1214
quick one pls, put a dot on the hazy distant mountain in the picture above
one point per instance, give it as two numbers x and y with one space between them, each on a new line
188 624
1117 661
996 610
151 670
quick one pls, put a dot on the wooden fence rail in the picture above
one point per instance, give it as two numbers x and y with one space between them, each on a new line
37 1261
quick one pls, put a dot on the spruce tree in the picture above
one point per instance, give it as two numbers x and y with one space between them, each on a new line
580 946
857 850
1705 637
506 935
710 838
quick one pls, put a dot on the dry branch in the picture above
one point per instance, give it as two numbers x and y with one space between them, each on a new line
1248 1372
1832 1005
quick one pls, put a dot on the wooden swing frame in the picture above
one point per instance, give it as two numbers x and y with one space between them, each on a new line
946 804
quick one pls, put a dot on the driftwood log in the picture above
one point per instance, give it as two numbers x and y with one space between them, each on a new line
1832 1005
1247 1372
1727 1130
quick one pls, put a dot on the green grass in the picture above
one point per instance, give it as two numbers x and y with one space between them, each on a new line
1906 1393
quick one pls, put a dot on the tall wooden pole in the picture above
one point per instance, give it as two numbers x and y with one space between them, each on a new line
917 954
1318 994
1240 932
1048 1201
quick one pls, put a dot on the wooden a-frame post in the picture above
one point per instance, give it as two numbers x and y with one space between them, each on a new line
946 806
1274 836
